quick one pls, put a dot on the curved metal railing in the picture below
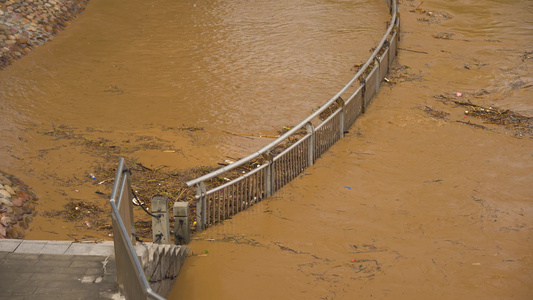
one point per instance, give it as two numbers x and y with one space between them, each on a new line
300 146
130 275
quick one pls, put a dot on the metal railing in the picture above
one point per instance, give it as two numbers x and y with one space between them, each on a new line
130 275
314 135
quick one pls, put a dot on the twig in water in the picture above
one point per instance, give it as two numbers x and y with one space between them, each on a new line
415 51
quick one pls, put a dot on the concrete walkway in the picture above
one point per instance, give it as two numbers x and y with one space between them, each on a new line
57 270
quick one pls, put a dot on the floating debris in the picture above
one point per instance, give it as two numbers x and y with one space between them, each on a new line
443 36
436 114
492 115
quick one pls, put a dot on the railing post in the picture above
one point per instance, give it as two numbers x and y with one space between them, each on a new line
269 175
311 129
362 80
341 103
160 224
397 27
201 209
123 200
377 65
182 228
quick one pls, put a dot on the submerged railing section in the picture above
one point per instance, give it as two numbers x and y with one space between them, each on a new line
261 174
130 275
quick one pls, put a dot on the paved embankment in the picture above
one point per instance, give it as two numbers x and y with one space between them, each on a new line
26 24
57 270
84 270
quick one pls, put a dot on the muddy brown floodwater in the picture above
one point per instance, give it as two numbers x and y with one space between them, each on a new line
168 85
421 200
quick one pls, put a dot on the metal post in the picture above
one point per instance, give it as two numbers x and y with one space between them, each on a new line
123 199
269 176
342 104
160 225
362 80
201 207
397 29
378 77
311 129
182 228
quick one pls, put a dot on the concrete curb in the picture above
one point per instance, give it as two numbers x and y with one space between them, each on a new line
57 270
73 265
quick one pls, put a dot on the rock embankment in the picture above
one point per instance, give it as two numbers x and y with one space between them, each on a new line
26 24
17 207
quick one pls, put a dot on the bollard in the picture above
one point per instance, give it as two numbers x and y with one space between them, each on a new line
182 227
160 225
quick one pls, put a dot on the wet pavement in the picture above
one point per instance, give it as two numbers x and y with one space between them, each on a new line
57 270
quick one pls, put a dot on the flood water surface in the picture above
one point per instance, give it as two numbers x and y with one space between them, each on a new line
171 85
420 199
209 63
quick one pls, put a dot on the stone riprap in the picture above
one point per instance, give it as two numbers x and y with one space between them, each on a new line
26 24
17 207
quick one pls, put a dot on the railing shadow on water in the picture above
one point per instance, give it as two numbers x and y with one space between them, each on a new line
231 189
130 275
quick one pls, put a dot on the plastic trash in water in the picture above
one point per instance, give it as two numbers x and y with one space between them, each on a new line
136 201
347 187
92 176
